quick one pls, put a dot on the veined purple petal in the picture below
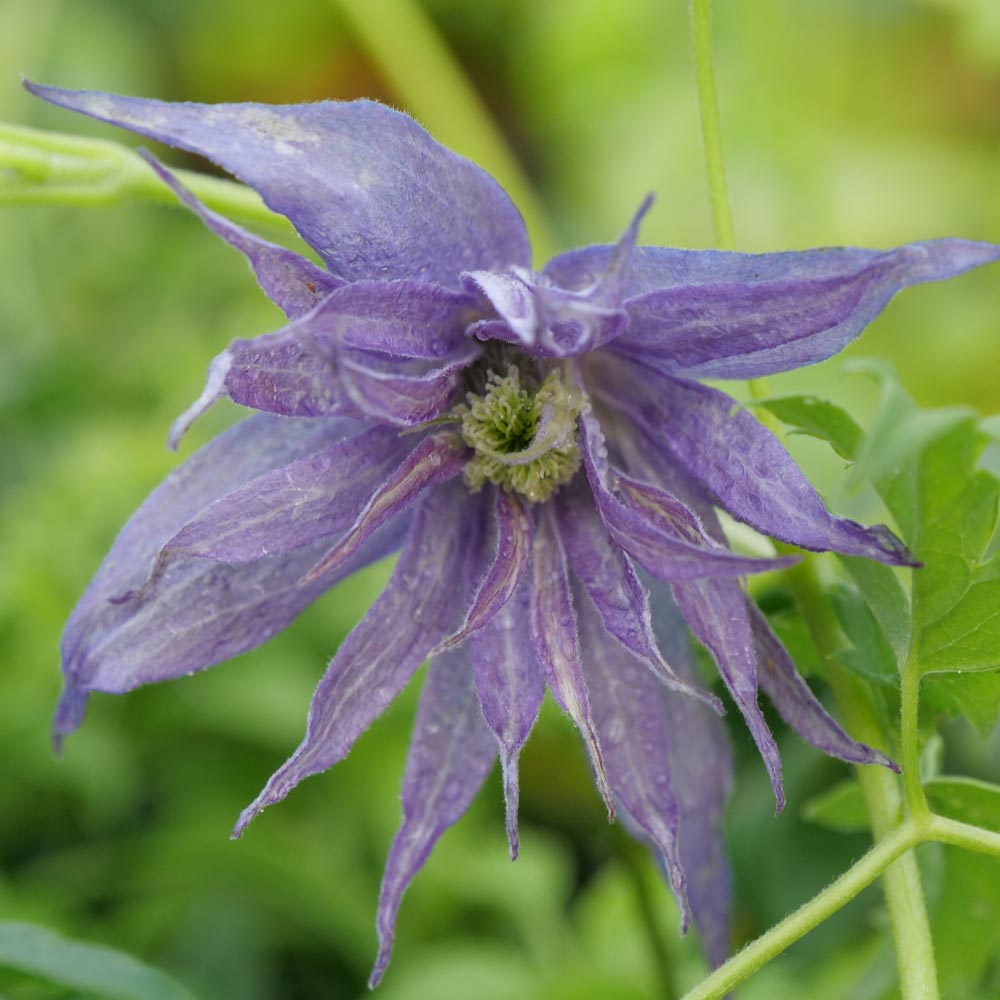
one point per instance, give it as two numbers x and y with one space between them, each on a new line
200 613
417 609
654 269
515 531
739 461
291 282
405 393
434 460
650 539
630 718
369 190
717 612
611 583
554 636
308 499
451 752
798 706
701 771
510 685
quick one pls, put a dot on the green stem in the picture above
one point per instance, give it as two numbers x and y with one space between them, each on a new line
403 41
972 838
836 895
711 129
909 735
38 167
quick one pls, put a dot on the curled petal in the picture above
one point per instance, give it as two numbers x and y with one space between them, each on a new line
557 647
435 460
740 462
291 282
369 190
416 610
451 752
798 706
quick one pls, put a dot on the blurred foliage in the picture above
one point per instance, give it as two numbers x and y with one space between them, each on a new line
857 121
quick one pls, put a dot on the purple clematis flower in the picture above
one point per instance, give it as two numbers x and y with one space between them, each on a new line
537 444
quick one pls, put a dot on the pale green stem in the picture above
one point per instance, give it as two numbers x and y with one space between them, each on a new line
972 838
909 736
38 167
836 895
403 41
711 129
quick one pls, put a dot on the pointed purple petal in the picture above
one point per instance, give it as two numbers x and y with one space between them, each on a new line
611 583
291 282
200 613
417 609
798 706
740 462
515 530
701 771
369 190
649 538
554 636
434 461
717 612
629 715
451 753
308 499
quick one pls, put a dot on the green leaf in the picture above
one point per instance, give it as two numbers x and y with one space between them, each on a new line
111 974
965 799
886 597
841 807
818 418
974 695
870 654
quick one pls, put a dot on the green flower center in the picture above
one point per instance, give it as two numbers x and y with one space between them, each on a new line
524 434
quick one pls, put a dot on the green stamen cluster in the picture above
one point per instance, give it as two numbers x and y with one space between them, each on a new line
524 435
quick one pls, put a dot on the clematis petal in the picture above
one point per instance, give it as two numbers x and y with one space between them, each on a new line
433 461
740 462
451 753
651 540
515 531
701 774
630 718
557 647
798 706
612 585
199 613
416 610
369 190
291 282
308 499
510 685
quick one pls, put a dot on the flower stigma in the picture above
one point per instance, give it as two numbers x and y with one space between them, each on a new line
524 432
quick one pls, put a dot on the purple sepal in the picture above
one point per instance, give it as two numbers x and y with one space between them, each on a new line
515 530
554 637
433 461
451 753
798 706
629 712
510 684
199 612
417 609
369 190
611 583
291 282
701 773
742 464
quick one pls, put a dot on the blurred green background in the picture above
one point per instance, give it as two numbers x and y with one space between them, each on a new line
870 122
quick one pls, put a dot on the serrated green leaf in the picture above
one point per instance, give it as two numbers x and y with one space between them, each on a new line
818 418
965 799
870 654
841 807
974 695
967 636
886 597
110 974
